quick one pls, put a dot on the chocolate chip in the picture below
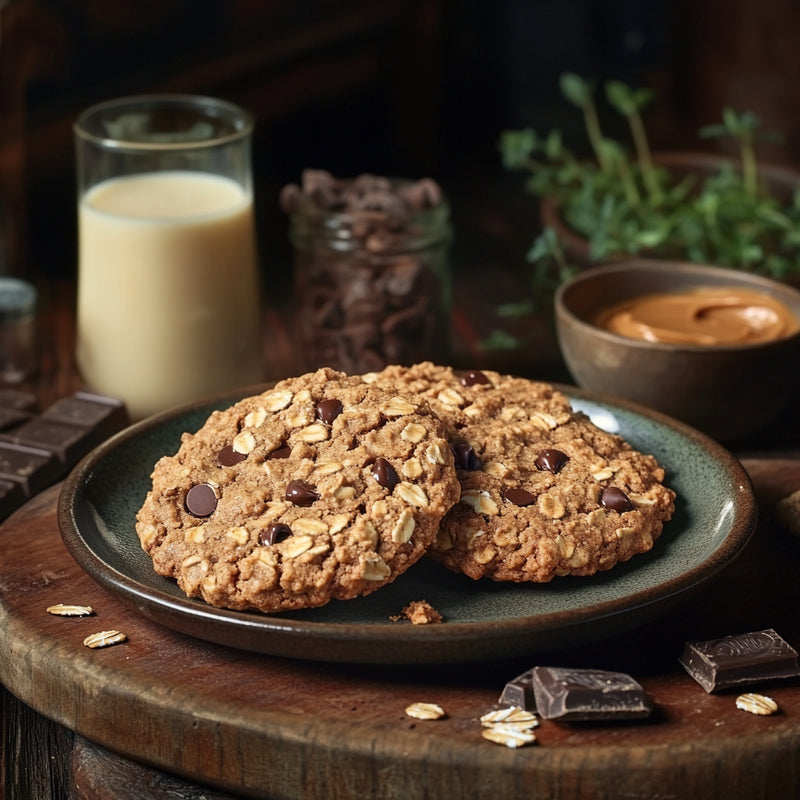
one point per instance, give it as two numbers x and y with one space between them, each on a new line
201 500
300 493
282 452
615 499
551 460
228 457
328 410
519 497
384 473
473 376
274 533
466 457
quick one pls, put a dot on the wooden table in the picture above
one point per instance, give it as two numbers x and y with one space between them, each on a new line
270 727
165 716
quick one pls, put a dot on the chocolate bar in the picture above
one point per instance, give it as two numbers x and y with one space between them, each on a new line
572 695
519 692
38 449
740 660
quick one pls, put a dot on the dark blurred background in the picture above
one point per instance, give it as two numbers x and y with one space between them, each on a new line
412 88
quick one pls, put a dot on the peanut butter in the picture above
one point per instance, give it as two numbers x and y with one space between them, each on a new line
704 315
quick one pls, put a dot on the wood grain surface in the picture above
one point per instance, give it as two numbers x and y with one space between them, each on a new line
259 726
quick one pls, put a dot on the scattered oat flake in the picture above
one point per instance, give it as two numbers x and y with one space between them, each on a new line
511 726
425 711
756 704
104 639
64 610
510 737
511 717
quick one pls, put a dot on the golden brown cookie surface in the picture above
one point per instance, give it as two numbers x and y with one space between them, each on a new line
544 491
322 487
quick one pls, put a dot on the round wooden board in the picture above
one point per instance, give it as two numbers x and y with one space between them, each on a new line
268 727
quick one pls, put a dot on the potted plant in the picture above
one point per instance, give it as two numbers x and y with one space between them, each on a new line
626 201
629 201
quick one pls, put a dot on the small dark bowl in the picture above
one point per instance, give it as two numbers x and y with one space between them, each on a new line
728 392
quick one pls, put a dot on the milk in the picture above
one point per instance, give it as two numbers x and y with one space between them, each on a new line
168 296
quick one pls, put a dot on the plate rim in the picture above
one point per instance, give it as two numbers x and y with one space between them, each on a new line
190 614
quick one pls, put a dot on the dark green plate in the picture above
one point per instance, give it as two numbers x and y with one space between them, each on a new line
715 516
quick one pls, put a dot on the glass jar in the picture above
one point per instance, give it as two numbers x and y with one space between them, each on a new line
18 345
371 286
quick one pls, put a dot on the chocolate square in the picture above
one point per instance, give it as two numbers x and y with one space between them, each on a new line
571 695
740 660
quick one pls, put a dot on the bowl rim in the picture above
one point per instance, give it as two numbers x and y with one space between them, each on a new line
775 288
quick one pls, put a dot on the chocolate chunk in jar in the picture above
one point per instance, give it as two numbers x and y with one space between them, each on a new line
586 695
740 660
372 284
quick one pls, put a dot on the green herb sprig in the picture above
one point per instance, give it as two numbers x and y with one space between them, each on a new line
623 202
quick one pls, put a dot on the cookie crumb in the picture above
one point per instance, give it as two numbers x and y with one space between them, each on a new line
418 612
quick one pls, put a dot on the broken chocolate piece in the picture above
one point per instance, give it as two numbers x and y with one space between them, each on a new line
37 449
69 442
519 692
33 468
102 415
11 417
740 660
572 695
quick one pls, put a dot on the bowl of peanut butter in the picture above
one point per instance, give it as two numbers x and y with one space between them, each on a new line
714 347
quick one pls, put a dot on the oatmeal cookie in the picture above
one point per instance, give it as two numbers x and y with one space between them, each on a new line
544 491
321 487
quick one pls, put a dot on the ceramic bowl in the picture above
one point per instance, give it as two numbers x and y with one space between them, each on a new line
727 392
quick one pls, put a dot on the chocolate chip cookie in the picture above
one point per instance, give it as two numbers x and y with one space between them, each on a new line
322 487
544 491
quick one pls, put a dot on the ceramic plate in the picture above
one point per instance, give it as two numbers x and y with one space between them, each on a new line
715 515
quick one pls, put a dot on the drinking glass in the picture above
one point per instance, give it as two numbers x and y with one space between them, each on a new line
169 304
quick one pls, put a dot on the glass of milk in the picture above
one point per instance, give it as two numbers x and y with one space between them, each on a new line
168 307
